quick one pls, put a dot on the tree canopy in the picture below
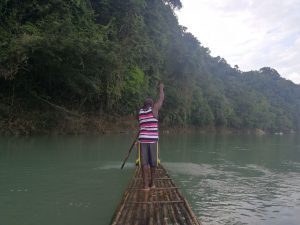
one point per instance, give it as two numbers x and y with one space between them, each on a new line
100 56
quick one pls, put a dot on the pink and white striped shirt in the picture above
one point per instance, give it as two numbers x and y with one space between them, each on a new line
148 126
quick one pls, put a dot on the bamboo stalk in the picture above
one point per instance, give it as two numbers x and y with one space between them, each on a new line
156 208
161 178
171 209
138 210
156 202
120 210
160 188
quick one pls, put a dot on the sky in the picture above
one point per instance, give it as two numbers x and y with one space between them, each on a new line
249 33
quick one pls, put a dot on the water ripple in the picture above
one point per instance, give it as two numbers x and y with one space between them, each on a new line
229 194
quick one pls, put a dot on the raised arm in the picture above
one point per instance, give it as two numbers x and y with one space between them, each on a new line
157 105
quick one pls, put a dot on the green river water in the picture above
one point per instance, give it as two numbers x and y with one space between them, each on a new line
227 179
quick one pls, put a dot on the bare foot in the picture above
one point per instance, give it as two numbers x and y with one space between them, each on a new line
146 189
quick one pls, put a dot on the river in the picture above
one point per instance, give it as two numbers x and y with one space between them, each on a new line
227 179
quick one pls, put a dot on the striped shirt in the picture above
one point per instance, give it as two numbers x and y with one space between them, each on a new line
148 126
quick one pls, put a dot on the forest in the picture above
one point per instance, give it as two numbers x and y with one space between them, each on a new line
85 65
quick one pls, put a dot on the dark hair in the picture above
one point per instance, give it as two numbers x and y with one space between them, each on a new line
148 103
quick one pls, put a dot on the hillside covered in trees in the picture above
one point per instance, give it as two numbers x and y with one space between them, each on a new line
81 63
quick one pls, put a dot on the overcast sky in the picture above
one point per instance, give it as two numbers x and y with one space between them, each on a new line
248 33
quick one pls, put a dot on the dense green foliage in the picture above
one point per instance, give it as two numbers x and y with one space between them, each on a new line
104 56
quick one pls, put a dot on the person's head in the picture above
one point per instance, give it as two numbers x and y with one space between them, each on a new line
148 102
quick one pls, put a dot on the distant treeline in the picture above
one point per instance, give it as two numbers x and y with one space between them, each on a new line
102 57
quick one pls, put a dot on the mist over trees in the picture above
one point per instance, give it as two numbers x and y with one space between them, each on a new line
103 57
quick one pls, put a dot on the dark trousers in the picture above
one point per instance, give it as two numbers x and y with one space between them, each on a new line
149 154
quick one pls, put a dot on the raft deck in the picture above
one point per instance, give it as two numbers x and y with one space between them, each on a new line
163 205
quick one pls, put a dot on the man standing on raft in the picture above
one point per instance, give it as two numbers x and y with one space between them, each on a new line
148 137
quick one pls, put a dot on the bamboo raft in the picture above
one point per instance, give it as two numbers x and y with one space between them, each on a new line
163 205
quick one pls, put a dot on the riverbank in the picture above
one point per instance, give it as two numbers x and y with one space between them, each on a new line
37 123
